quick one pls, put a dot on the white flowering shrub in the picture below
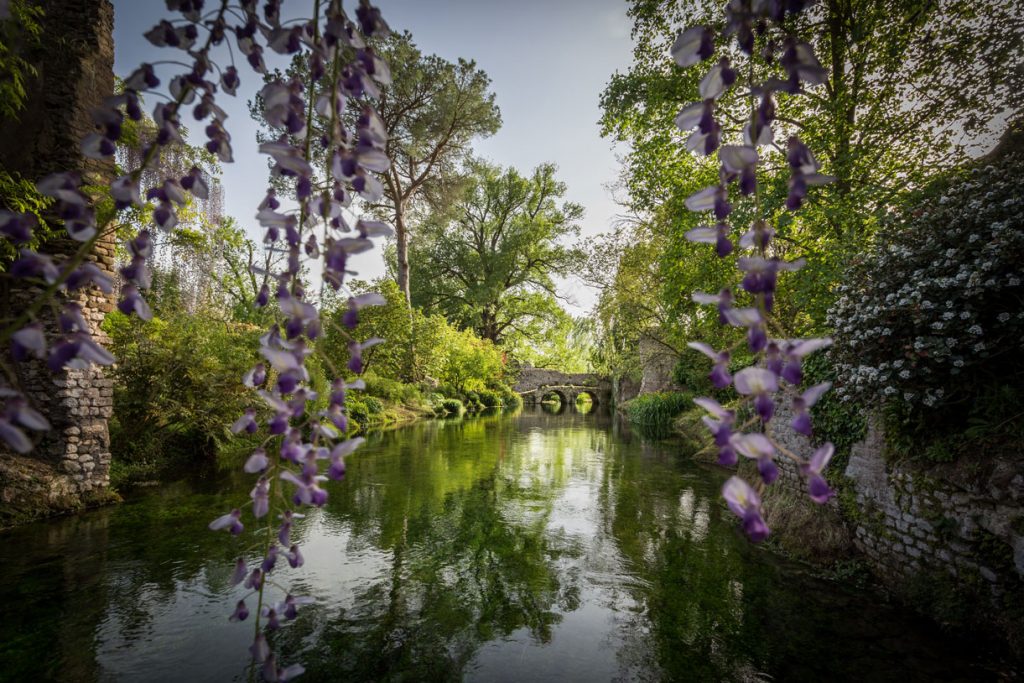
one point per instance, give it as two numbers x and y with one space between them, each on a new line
936 312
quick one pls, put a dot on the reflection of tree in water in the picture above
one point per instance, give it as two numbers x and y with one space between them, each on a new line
718 608
473 532
463 572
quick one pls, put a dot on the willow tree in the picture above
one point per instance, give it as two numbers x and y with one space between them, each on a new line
487 261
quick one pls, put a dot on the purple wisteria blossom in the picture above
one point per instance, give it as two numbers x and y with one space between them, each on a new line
759 33
760 448
746 503
17 416
802 404
816 485
231 522
720 377
692 46
720 423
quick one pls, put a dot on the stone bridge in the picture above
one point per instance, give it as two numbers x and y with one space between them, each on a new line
536 383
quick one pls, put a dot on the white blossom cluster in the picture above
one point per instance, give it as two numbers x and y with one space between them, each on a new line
941 295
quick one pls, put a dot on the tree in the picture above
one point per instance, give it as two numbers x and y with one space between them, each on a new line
910 87
565 343
431 110
487 261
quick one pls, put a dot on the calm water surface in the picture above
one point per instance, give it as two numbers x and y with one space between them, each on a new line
535 547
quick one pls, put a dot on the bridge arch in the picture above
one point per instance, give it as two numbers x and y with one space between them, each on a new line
560 394
536 383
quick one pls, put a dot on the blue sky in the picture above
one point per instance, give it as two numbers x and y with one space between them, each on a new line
548 62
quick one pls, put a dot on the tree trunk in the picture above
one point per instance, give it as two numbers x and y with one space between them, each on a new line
402 240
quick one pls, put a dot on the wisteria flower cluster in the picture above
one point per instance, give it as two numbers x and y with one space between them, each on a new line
304 447
777 374
941 295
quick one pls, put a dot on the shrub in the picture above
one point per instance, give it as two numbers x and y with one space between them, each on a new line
452 406
357 411
936 308
177 387
509 399
374 406
654 412
388 389
489 398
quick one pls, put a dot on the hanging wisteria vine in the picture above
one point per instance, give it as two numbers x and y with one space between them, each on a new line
343 67
759 28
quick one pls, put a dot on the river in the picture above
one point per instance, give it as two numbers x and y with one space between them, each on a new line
530 547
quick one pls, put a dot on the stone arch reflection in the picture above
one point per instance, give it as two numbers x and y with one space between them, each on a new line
554 401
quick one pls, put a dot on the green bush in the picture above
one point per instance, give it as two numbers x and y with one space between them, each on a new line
177 388
452 406
357 411
391 390
374 406
654 413
489 398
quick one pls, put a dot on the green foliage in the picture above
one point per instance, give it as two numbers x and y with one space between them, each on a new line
374 406
561 342
452 406
489 398
510 400
391 390
177 387
841 422
486 261
874 125
654 413
469 362
991 423
20 33
20 195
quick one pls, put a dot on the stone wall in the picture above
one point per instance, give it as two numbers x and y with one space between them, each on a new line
969 523
626 389
659 364
70 466
965 519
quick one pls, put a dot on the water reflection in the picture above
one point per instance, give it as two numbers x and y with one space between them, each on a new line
534 547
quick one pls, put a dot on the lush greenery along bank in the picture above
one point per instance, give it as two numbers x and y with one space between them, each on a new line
178 382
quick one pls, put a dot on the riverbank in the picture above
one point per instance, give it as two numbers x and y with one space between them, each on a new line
31 489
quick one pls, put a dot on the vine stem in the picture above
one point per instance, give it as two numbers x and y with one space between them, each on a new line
274 482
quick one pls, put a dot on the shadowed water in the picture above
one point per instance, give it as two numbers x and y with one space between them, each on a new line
537 547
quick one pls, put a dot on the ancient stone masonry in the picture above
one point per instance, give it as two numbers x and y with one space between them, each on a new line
71 464
909 518
916 518
659 363
534 383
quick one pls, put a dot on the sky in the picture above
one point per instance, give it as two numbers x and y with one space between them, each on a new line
548 62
